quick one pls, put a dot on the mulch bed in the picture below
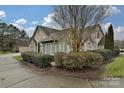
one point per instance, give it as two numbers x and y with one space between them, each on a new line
84 73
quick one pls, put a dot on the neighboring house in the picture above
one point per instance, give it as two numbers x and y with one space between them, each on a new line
9 30
49 41
21 45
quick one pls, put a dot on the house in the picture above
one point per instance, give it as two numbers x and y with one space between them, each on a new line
40 33
21 45
49 41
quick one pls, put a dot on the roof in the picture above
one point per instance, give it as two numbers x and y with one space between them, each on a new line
46 30
90 30
3 24
33 40
86 34
56 36
22 42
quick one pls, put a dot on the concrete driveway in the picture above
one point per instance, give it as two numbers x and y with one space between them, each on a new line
16 75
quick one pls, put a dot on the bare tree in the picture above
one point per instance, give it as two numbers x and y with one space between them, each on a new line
76 18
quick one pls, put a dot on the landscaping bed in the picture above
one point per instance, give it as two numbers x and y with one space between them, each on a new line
85 73
78 64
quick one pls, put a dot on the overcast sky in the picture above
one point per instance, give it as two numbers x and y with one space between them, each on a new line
28 17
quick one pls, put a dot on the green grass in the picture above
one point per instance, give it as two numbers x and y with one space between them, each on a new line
116 68
18 58
4 52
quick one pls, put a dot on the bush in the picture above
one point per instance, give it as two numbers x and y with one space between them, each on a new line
44 60
29 56
37 59
58 58
106 54
79 60
116 52
7 50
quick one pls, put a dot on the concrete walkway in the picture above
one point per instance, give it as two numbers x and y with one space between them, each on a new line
16 75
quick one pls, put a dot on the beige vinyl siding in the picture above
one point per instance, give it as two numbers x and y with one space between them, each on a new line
39 36
32 46
52 48
89 45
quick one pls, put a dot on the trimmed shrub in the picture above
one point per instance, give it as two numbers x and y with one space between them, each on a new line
58 58
44 60
37 59
80 60
116 52
106 54
28 56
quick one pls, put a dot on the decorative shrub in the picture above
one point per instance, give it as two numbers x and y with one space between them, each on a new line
44 60
107 54
27 56
37 59
116 52
79 60
58 58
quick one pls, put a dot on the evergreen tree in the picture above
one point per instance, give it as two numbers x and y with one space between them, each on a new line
24 34
106 41
110 38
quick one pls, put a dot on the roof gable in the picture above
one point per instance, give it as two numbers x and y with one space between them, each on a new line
54 34
90 30
46 30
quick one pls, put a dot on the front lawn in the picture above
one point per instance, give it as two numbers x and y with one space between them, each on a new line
116 68
18 58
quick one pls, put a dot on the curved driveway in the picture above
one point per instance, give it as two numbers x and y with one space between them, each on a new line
15 74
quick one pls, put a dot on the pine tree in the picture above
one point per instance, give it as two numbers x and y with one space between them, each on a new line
110 38
24 34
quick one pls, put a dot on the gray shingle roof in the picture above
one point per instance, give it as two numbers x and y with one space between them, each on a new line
55 36
48 30
86 34
22 42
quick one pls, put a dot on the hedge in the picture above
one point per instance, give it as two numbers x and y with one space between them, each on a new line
59 58
116 52
37 59
78 60
107 54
